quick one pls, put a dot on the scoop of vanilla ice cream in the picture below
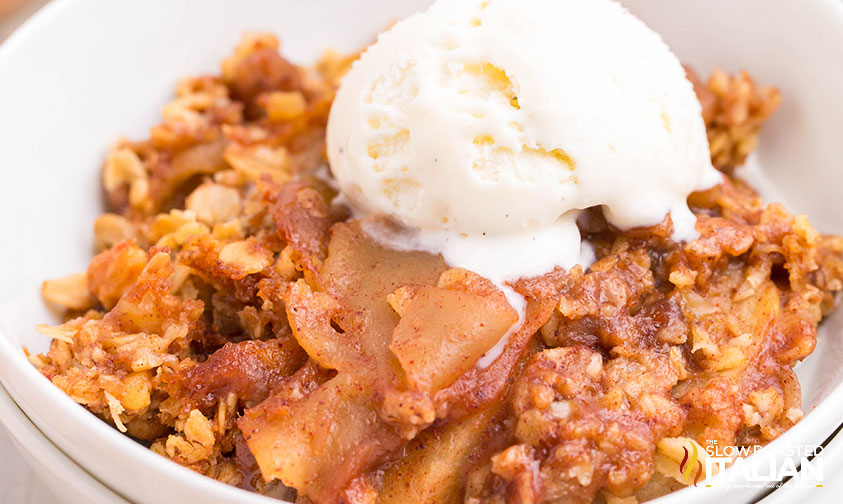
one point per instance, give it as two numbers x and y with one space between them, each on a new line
484 126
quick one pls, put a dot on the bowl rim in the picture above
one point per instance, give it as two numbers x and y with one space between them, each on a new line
28 437
21 379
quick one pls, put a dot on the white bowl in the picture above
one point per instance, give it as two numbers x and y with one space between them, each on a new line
56 471
84 72
828 493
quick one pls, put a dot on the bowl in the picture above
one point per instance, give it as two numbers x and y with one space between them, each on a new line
83 72
792 491
58 473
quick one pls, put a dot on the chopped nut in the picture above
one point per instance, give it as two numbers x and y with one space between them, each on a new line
139 193
122 167
136 392
284 265
560 409
248 256
515 459
199 429
213 203
111 229
70 292
231 230
255 161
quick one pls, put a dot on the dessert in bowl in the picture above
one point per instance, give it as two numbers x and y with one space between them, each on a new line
276 326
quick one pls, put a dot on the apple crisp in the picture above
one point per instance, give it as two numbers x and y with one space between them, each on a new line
239 322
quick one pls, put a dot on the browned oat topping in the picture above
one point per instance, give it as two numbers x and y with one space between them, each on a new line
246 328
734 109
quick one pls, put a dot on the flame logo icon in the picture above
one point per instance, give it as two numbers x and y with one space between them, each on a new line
687 465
